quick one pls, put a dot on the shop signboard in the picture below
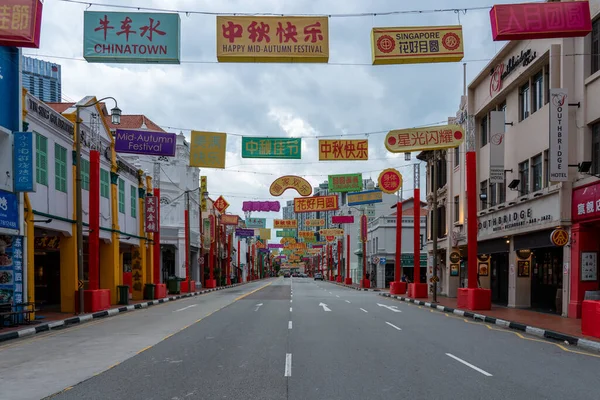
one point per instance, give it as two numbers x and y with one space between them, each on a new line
415 45
283 183
131 37
152 214
265 147
315 203
203 189
9 213
256 222
366 197
24 162
208 149
21 23
585 203
502 71
426 138
278 39
345 183
589 266
11 269
531 21
145 142
344 150
558 156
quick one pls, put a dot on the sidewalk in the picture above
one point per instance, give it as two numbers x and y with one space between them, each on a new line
539 324
356 286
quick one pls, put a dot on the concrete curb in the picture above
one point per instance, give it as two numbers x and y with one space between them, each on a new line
532 330
67 323
353 287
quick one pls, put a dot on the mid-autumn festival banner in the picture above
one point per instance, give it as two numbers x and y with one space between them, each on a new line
340 150
145 142
272 39
316 203
426 138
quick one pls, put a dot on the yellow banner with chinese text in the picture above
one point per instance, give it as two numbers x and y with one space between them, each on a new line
343 150
285 224
427 138
315 203
207 149
416 45
306 234
264 233
315 222
272 39
331 232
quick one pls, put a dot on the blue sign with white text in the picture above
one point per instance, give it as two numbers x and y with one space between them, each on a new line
9 211
10 91
23 159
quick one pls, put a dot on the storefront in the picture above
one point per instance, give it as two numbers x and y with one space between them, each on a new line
585 245
47 269
493 268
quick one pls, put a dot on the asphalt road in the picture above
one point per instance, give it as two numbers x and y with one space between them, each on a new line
298 339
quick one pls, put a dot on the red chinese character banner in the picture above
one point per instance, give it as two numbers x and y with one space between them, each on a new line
272 39
281 184
316 203
427 138
540 20
343 150
221 204
20 23
152 214
586 203
390 181
342 219
285 224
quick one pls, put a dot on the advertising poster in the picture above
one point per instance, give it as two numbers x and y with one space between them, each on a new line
11 269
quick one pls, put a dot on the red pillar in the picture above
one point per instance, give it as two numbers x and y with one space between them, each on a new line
186 227
156 248
239 266
417 289
228 259
339 254
211 283
365 283
94 221
399 287
348 280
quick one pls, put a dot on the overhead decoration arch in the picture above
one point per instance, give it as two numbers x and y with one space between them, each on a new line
283 183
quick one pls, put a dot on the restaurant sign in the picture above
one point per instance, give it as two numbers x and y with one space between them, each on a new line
272 39
128 37
427 138
413 45
21 23
145 142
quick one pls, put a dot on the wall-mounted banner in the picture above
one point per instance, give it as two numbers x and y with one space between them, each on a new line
272 39
285 223
342 219
203 189
145 142
427 138
9 213
345 183
239 232
21 23
331 232
221 204
263 147
343 150
256 222
283 183
366 197
390 181
559 135
264 233
24 162
208 149
152 214
316 203
530 21
315 222
229 219
285 233
128 37
413 45
265 206
497 128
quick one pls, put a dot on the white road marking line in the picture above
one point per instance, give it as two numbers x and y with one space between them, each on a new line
325 308
185 308
288 365
290 300
392 308
290 325
347 301
337 295
330 293
259 305
290 309
469 365
393 326
364 310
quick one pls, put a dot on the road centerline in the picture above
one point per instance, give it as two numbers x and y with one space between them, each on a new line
393 326
469 364
288 365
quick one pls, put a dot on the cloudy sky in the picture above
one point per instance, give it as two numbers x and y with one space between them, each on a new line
346 96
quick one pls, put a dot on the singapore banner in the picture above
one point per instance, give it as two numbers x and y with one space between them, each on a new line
145 142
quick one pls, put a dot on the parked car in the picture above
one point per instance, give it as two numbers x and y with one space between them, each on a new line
286 275
318 277
295 274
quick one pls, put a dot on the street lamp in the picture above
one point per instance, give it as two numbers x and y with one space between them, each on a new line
116 120
364 283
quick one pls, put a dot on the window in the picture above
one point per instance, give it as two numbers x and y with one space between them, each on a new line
538 91
104 184
536 172
483 191
483 131
502 191
546 169
595 46
524 177
524 102
502 106
41 159
85 174
60 168
133 201
456 208
596 148
492 199
441 222
457 156
121 196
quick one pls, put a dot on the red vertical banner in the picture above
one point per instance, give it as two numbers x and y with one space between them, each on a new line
239 266
471 164
186 225
417 236
339 260
416 222
156 248
94 221
348 280
229 259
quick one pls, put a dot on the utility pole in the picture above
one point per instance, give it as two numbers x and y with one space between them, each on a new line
434 216
187 240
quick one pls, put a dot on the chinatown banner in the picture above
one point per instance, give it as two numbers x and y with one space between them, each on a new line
20 23
152 214
244 232
261 206
366 197
208 149
145 142
272 39
343 150
345 183
221 205
390 181
415 45
427 138
331 232
315 203
131 37
530 21
203 189
283 183
315 222
228 219
285 223
264 233
285 233
264 147
256 222
342 219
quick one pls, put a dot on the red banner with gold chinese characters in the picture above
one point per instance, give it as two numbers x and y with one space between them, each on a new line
20 23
